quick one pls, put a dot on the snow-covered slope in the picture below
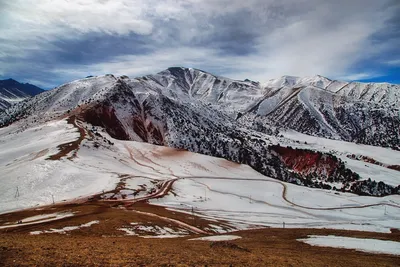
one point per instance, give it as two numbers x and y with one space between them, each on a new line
380 93
12 92
188 84
319 112
233 195
367 113
194 110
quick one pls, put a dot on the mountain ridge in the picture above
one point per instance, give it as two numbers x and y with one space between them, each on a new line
333 109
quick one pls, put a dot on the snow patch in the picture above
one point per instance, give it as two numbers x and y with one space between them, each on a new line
217 238
39 219
156 231
65 229
359 244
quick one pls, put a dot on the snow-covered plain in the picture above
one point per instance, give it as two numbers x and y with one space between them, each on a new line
250 204
360 244
215 188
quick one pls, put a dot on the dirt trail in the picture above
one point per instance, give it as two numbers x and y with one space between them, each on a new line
164 189
66 148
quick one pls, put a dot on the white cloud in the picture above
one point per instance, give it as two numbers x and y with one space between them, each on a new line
295 37
394 62
301 49
359 76
55 17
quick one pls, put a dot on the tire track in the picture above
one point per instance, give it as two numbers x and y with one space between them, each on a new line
284 194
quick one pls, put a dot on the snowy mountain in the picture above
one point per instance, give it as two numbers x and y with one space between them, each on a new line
355 112
12 91
241 121
367 113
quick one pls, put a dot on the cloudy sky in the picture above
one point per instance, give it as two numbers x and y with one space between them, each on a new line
49 42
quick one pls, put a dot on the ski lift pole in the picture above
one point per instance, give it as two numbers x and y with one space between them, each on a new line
17 193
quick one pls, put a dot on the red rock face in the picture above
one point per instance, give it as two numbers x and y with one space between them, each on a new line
139 128
147 131
306 161
156 134
105 116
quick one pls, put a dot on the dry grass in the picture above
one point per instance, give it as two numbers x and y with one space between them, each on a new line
270 247
104 245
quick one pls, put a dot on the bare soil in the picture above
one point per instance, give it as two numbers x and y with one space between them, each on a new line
104 245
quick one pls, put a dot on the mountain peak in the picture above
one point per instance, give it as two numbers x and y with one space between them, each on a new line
177 70
321 77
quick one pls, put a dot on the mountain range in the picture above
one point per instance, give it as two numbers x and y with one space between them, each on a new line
242 121
12 92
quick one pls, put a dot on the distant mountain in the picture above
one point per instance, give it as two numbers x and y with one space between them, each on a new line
12 91
238 120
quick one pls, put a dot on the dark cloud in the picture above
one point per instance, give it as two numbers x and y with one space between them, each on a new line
256 39
95 48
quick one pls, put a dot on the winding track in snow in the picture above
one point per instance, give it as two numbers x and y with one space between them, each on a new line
167 185
284 194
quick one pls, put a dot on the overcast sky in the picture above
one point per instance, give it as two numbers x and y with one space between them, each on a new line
50 42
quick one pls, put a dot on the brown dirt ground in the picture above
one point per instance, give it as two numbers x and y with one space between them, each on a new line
104 245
